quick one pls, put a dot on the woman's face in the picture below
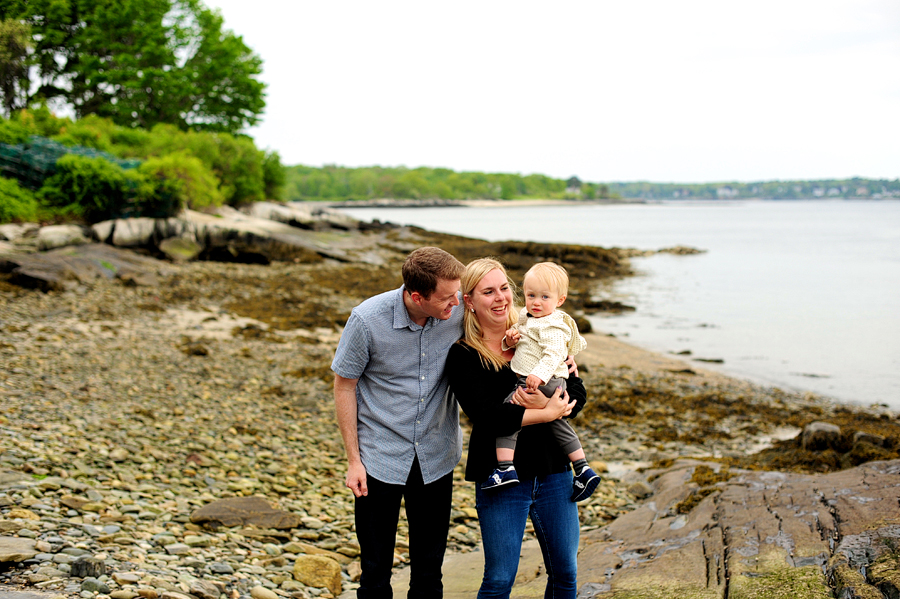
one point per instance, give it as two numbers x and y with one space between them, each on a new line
491 299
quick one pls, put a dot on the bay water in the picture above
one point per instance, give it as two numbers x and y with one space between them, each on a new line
804 295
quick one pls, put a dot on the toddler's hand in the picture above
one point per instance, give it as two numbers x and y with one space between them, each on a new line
533 382
512 337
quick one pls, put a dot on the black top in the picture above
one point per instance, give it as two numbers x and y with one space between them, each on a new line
480 392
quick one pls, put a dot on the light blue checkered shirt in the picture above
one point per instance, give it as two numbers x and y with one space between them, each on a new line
404 408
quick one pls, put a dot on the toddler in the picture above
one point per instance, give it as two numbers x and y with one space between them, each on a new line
543 337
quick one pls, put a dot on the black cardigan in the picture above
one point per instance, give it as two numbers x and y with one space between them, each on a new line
480 392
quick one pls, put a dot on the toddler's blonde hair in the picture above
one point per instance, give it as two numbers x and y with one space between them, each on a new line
551 274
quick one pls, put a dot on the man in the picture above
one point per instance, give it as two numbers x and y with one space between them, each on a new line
399 424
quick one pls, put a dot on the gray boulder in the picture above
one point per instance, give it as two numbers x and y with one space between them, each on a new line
103 231
133 232
14 231
57 236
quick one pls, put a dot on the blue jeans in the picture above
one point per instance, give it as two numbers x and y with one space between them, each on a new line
428 515
502 514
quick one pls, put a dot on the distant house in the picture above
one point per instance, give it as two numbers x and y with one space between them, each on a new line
726 192
573 185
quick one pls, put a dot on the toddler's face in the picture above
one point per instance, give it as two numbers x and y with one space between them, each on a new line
540 298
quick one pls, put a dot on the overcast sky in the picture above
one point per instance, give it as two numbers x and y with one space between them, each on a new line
656 90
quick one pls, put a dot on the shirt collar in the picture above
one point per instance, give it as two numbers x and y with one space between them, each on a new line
401 314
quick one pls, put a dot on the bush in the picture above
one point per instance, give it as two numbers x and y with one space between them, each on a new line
90 188
152 197
182 181
39 121
240 167
16 204
235 161
274 176
205 169
13 133
89 132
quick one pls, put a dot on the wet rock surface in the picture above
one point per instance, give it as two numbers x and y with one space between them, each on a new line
130 412
756 534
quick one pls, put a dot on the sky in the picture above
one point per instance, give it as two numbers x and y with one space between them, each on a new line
652 90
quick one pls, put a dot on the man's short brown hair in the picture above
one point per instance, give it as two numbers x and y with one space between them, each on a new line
426 266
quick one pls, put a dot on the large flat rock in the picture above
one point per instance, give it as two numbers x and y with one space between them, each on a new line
66 267
15 549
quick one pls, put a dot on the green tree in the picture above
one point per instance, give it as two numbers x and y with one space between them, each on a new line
15 41
143 62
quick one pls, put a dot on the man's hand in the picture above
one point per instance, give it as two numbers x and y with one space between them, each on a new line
356 480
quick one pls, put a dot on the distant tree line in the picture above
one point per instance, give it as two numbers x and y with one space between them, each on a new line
773 190
343 183
338 183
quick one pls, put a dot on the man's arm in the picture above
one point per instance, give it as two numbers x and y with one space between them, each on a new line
345 406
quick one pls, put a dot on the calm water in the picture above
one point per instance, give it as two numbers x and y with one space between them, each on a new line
804 295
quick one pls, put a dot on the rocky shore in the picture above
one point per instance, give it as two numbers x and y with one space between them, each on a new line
167 430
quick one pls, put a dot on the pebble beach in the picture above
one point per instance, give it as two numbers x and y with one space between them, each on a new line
125 409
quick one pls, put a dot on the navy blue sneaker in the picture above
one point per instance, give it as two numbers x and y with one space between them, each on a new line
500 478
584 484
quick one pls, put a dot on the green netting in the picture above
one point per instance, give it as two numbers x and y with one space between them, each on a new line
32 162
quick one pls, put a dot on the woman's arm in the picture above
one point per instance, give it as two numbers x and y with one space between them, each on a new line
480 392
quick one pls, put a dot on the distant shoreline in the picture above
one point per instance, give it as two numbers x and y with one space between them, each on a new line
474 203
493 203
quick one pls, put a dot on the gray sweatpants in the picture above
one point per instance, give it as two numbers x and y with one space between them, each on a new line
562 430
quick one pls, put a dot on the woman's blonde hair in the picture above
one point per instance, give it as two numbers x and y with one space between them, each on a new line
474 335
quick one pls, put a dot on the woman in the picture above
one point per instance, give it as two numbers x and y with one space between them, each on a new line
480 378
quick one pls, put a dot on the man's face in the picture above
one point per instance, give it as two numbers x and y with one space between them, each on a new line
440 304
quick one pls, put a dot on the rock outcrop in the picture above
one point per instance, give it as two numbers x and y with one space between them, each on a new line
60 257
756 534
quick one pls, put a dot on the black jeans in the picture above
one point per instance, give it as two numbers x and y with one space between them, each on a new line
428 514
